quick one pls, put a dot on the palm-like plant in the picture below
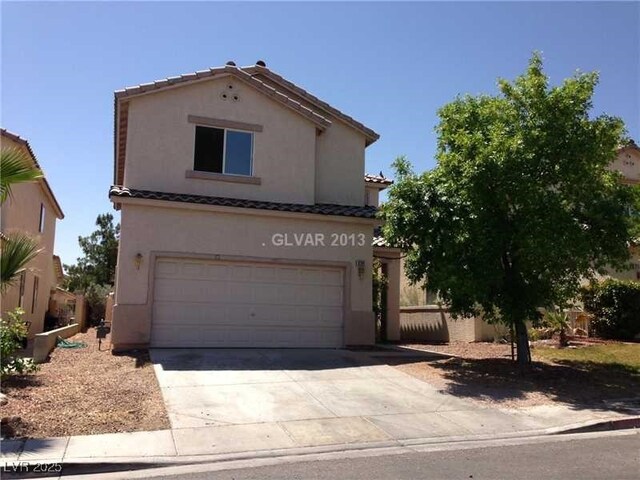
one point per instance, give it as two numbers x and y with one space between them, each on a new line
15 167
18 249
559 322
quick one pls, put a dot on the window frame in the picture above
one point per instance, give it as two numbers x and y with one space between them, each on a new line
34 297
41 223
22 286
224 150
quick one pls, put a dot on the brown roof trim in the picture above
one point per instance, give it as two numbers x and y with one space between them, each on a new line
43 181
283 82
319 208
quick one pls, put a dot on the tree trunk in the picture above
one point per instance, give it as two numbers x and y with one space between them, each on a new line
522 342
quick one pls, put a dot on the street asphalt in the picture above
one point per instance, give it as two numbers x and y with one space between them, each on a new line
615 458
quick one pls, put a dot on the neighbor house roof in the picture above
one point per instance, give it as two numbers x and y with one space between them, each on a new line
630 145
319 208
284 92
43 181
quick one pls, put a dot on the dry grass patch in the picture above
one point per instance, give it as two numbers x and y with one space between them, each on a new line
83 392
590 375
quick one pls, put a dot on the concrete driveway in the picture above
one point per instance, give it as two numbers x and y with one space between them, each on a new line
264 399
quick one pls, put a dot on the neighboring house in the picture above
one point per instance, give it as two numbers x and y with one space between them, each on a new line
61 302
628 164
32 208
422 318
245 218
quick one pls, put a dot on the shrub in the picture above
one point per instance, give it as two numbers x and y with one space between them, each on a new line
96 296
12 332
615 306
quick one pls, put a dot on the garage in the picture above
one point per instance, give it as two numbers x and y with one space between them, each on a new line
201 303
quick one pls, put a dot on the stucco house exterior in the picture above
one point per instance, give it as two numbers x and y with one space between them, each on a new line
33 209
245 220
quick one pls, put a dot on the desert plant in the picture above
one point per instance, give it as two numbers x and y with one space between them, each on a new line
559 323
16 167
12 331
615 308
17 250
96 296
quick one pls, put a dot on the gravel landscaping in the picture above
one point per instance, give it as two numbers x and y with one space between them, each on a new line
84 391
592 374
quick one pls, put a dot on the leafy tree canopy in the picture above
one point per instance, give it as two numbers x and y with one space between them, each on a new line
98 265
521 205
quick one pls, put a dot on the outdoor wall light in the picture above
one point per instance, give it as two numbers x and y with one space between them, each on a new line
360 267
137 260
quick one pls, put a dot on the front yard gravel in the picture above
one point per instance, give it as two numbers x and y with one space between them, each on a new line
83 392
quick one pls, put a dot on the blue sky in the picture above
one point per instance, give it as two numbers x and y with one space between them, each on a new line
389 65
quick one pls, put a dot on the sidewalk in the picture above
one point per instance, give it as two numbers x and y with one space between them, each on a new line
187 445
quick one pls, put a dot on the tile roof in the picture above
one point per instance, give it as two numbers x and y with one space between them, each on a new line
229 70
379 179
281 81
630 144
43 181
318 208
378 239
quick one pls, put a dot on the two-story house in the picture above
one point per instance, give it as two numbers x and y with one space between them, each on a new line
245 218
32 208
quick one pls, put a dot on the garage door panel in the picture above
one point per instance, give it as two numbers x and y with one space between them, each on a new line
223 304
180 290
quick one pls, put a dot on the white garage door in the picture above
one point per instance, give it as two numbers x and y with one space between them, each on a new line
230 304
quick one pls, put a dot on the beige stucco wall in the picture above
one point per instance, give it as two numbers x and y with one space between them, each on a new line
157 228
435 324
340 166
21 212
371 196
628 164
160 143
295 163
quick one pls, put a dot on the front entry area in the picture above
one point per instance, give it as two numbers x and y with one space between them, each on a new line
208 303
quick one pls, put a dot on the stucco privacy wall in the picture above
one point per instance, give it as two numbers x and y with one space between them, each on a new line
434 324
162 228
21 212
161 140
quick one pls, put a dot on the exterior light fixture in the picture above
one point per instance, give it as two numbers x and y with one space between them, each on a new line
360 267
137 260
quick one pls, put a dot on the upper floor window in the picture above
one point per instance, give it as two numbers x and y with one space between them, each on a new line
221 150
41 223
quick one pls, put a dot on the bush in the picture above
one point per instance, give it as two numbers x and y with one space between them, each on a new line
12 332
96 296
615 306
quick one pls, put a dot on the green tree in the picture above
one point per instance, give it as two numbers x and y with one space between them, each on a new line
100 249
17 248
521 205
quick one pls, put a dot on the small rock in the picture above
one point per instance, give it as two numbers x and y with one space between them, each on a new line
3 399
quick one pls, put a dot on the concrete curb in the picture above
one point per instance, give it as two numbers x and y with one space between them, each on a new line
91 465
